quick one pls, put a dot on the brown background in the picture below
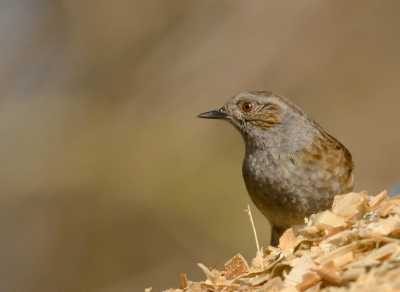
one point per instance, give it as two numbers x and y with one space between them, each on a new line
108 180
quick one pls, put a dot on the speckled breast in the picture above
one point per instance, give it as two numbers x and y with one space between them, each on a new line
284 193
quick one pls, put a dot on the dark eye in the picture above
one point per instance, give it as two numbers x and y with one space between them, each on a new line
247 106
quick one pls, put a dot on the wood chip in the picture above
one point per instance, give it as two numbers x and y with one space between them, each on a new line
259 279
326 258
381 227
213 276
273 285
184 281
194 287
353 247
289 241
289 289
327 220
309 280
353 273
349 205
236 266
380 253
343 259
377 199
339 238
331 274
300 269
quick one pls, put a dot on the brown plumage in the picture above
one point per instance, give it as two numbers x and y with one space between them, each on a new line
292 167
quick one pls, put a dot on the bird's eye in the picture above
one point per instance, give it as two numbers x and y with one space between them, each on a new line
247 106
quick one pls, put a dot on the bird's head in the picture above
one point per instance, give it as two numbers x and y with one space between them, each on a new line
255 113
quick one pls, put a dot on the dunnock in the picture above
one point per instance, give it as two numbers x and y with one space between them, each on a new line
292 167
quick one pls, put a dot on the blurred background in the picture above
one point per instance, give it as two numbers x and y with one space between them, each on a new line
108 180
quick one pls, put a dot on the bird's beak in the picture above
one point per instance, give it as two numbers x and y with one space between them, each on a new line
216 114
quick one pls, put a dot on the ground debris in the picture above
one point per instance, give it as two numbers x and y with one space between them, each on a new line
353 247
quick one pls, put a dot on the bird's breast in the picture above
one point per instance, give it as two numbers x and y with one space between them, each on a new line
285 191
273 185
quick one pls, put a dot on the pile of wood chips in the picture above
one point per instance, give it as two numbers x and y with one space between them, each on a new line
353 247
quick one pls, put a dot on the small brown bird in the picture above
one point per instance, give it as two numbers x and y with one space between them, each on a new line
292 167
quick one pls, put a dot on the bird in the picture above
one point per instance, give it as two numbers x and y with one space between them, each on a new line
292 168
